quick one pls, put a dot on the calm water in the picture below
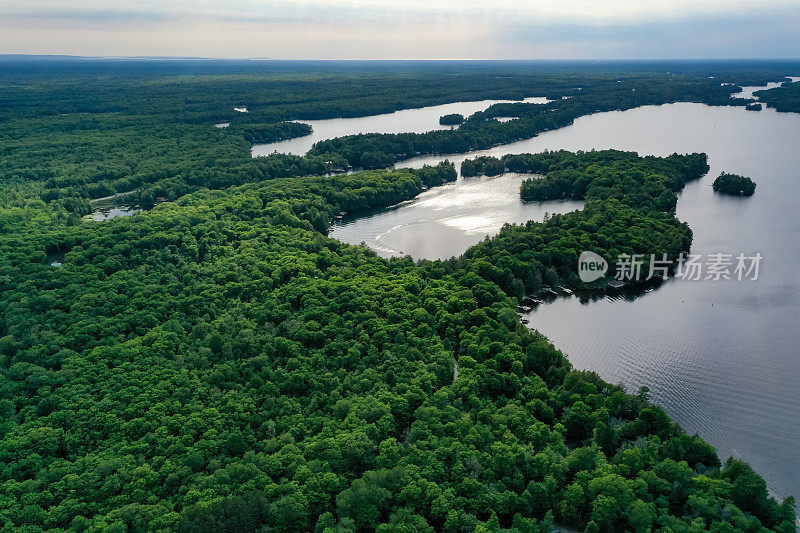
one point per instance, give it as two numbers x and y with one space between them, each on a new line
723 358
409 120
446 220
107 213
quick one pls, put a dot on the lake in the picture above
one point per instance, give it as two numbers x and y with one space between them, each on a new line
417 120
722 357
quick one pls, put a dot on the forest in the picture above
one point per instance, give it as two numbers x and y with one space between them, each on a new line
218 360
218 363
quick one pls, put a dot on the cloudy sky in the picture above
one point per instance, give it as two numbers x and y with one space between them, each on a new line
382 29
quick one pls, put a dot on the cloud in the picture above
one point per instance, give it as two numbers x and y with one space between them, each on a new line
296 29
749 34
581 11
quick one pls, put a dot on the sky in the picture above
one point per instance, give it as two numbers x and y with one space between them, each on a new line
404 29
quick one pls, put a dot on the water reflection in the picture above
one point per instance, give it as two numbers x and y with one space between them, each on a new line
446 220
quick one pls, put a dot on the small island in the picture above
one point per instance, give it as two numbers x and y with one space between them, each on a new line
734 184
270 133
453 119
754 106
482 165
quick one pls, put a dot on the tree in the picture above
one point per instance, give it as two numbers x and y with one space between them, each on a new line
641 515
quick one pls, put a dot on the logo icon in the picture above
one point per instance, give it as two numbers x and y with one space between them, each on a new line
591 267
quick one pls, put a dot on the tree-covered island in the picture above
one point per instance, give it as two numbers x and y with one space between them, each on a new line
734 184
453 119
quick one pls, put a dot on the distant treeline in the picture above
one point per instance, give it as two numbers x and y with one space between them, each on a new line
480 131
101 136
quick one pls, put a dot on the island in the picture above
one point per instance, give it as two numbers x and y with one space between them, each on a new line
453 119
270 133
734 184
484 165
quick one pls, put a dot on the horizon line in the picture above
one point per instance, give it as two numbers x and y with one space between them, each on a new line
6 55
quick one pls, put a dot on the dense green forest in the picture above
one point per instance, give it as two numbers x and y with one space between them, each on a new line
785 98
734 184
217 363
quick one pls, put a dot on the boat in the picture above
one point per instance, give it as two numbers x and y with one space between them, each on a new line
524 308
565 290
